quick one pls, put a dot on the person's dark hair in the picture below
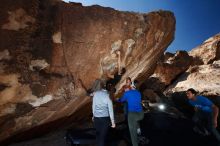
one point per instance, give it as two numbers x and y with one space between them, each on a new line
123 70
108 86
193 91
136 82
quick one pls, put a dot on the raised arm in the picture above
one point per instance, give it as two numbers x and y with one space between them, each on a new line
119 62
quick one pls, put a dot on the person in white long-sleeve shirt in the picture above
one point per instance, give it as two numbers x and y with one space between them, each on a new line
103 114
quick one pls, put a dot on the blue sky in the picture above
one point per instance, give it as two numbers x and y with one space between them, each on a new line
196 20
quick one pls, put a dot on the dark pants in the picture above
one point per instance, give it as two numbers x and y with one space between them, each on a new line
133 122
101 125
125 109
205 119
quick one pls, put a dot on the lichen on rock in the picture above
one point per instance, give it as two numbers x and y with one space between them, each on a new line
18 19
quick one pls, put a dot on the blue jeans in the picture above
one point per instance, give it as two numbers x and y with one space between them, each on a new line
205 119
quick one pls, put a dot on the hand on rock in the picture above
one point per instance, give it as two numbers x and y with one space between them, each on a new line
118 52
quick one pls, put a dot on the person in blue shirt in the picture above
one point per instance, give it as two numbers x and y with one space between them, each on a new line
135 112
205 111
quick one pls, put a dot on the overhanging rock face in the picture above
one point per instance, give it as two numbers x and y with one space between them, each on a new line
46 46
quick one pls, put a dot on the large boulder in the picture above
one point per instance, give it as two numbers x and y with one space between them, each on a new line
46 46
208 52
204 72
203 78
198 68
168 69
152 89
151 95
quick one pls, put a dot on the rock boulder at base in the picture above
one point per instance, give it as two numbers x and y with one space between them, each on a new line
172 66
203 78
